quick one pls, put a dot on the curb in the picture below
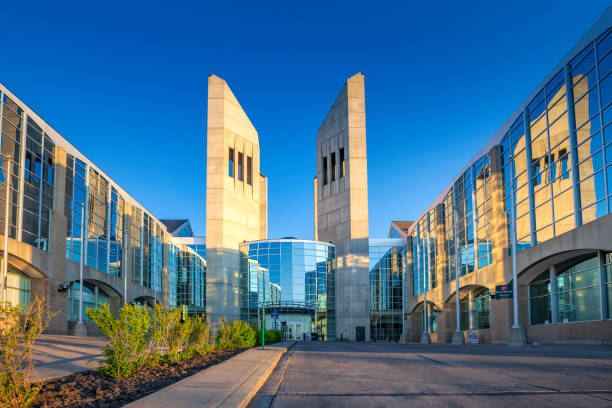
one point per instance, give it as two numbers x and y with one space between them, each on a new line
254 388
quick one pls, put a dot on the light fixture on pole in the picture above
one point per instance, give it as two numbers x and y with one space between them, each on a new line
425 338
458 337
517 333
6 228
79 328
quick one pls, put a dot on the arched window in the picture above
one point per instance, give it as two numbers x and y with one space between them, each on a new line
18 288
540 311
577 291
90 299
474 310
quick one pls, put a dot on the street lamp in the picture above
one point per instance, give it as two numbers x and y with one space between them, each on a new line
516 335
80 329
263 310
6 229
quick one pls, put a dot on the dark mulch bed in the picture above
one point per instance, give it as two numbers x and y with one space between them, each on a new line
89 389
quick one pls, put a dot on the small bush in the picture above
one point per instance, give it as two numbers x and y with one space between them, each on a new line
236 335
128 348
20 327
272 336
179 341
200 340
163 322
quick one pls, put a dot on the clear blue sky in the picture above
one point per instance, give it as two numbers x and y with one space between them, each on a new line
126 84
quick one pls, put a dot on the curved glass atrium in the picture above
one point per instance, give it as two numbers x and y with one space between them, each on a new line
299 281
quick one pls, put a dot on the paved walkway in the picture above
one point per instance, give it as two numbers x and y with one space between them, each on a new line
232 383
334 374
58 355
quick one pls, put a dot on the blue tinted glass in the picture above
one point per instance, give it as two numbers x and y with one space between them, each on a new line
275 244
605 87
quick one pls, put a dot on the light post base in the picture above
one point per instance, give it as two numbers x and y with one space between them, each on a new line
80 329
425 338
458 338
516 336
402 338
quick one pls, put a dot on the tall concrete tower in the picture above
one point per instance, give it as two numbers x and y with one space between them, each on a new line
236 197
341 205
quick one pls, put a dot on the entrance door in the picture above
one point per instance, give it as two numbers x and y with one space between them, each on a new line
294 331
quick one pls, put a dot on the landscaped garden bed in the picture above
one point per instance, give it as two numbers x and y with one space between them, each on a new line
90 389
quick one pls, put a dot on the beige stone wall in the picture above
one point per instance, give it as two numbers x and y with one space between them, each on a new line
235 210
342 205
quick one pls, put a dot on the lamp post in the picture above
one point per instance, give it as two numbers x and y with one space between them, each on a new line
425 338
458 334
517 334
79 328
263 310
6 228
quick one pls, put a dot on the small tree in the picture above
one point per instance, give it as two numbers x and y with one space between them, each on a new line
127 350
20 327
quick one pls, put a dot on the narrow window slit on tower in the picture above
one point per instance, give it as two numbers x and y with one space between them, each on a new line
342 162
325 170
240 166
230 162
249 170
333 166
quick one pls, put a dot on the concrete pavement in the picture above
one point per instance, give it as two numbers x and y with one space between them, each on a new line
232 383
315 374
59 355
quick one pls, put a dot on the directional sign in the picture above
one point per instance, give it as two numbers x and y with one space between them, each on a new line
274 314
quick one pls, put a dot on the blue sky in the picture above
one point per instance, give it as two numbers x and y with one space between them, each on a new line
126 83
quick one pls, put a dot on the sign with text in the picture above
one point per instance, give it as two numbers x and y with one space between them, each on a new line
274 314
503 292
473 337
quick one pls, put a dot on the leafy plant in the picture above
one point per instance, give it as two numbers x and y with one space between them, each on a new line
200 340
236 335
128 348
163 322
20 327
272 336
179 340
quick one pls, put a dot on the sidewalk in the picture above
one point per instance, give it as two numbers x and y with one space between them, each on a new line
232 383
58 355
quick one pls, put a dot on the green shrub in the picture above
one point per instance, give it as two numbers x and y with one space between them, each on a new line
163 321
236 335
272 336
20 327
200 340
179 340
128 347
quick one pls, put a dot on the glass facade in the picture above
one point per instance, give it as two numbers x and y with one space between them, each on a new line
298 280
557 156
387 271
474 310
187 275
115 230
424 253
93 296
575 290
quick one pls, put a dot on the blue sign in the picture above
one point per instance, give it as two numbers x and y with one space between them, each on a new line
274 314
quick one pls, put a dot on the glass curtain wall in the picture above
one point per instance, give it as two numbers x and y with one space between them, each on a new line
11 145
117 211
136 246
467 215
39 164
92 297
557 157
424 253
302 283
74 204
97 226
576 292
387 268
474 310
